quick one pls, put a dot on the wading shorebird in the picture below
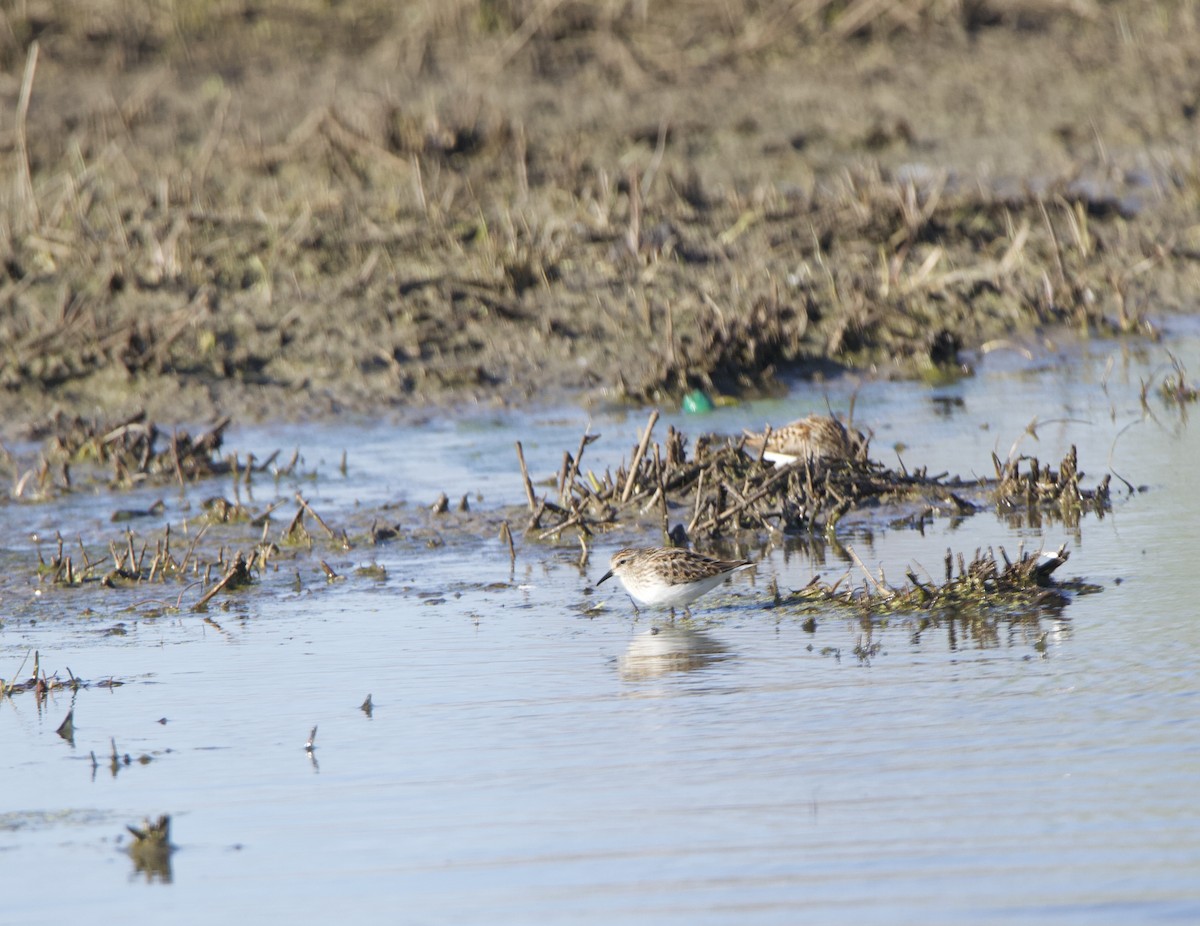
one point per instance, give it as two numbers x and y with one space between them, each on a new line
815 438
669 577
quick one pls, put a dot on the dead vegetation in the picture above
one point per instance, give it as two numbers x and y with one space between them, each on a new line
1041 488
982 602
1176 388
721 489
295 209
151 849
150 562
130 453
985 580
225 545
211 553
725 494
41 684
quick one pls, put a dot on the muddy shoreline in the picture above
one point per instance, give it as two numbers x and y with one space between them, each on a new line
518 204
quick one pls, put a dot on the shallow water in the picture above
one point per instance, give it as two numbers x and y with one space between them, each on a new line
531 760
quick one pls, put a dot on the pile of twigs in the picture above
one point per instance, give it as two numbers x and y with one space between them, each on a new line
136 448
723 489
136 452
985 579
1039 488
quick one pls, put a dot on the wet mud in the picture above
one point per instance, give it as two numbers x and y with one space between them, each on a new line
288 215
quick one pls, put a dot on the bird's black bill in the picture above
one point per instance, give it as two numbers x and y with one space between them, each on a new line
603 578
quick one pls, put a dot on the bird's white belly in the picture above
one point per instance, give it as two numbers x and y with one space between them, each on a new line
660 594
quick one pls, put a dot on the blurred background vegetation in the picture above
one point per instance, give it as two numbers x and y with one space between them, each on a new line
304 206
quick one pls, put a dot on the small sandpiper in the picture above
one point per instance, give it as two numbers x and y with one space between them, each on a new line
669 577
815 438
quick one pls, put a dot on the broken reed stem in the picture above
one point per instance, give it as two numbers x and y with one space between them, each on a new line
562 475
572 521
507 537
762 450
191 548
529 493
699 501
631 478
316 517
574 473
87 563
208 596
295 523
662 495
885 592
27 194
20 668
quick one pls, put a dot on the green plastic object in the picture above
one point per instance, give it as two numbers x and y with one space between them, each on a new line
697 403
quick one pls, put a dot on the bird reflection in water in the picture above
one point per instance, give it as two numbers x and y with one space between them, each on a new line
663 650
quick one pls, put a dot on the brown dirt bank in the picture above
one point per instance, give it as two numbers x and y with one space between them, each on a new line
281 210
